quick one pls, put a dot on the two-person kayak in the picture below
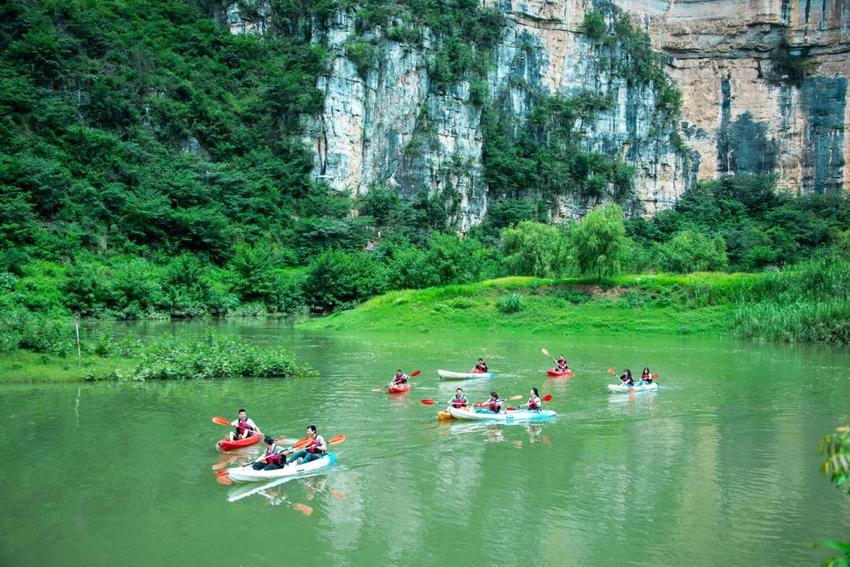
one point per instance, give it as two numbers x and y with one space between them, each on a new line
249 474
507 417
449 375
636 388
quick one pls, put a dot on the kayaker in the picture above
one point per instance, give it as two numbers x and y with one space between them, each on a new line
646 376
274 458
245 427
480 367
314 449
494 404
626 378
399 378
534 403
561 364
459 400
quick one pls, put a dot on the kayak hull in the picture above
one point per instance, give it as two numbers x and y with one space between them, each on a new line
559 373
400 389
623 388
508 417
248 474
225 445
449 375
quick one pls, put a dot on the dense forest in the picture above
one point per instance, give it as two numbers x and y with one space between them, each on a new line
151 166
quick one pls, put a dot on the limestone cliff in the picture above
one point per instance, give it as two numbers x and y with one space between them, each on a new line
385 122
742 114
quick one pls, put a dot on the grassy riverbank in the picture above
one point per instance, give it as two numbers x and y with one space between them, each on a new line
172 358
809 302
27 367
692 304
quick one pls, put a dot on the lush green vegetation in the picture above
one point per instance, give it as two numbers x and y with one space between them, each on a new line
836 466
103 356
153 168
214 356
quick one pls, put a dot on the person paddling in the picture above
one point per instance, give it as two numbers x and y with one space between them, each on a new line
494 404
245 427
399 378
646 376
314 449
480 367
274 458
534 402
459 400
626 378
561 364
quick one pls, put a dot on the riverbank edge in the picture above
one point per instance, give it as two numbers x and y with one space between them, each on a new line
662 304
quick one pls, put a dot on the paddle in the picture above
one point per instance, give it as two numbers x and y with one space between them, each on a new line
413 374
221 421
511 399
546 398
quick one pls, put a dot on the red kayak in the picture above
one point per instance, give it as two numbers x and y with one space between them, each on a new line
226 445
560 373
399 389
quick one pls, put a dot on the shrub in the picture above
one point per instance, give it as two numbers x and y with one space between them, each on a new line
510 303
534 249
214 356
337 279
598 241
594 25
690 251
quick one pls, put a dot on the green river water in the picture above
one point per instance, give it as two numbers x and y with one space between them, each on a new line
717 467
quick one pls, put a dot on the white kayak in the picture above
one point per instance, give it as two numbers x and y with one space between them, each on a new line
507 417
248 474
636 388
449 375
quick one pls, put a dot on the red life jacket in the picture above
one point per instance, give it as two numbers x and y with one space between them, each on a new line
400 380
273 458
458 402
241 426
495 406
312 446
534 403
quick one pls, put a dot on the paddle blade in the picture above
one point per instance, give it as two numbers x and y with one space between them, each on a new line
415 374
655 376
547 398
338 495
220 421
303 508
611 372
223 479
515 398
300 443
377 389
337 440
544 351
510 408
428 402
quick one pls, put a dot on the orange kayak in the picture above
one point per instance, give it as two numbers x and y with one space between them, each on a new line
399 389
226 445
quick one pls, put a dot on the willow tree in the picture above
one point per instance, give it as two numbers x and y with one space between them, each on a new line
598 241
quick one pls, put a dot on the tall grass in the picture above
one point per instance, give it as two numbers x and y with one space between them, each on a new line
807 303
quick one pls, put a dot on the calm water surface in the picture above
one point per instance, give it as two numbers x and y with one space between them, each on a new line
718 466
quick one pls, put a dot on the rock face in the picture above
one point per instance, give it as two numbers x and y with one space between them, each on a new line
385 123
739 113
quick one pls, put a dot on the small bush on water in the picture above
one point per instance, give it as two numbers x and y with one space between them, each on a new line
214 356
